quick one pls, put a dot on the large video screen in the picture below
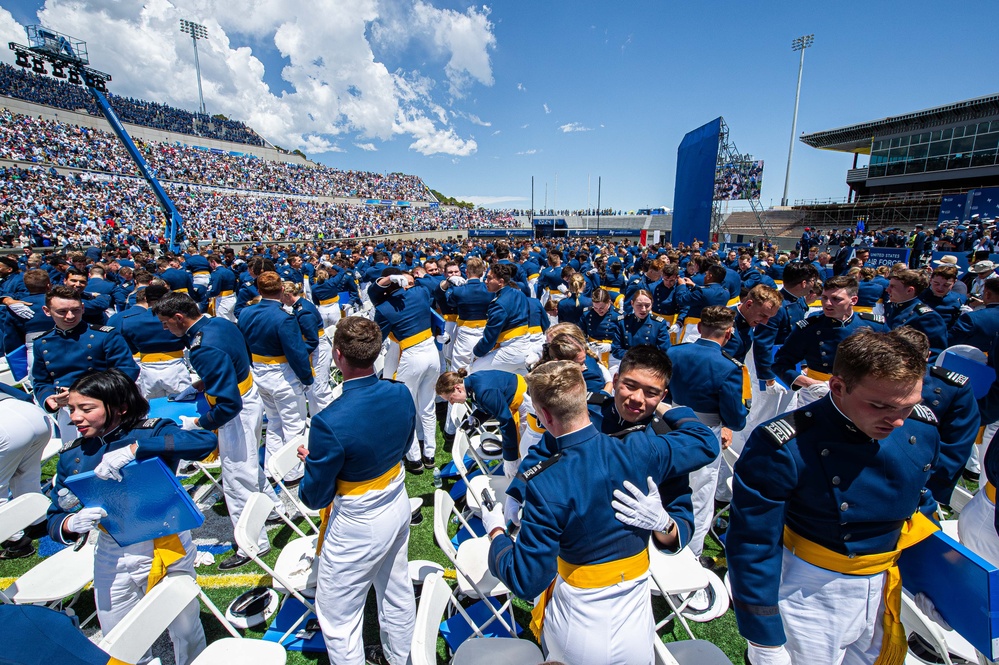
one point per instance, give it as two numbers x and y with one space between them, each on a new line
736 181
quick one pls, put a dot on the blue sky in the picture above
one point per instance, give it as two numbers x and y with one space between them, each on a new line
477 100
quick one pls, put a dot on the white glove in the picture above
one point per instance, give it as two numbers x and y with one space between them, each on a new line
21 310
85 520
776 389
399 280
674 329
768 655
641 510
457 280
591 271
189 423
111 463
186 395
511 510
443 338
493 519
600 347
563 289
510 468
927 607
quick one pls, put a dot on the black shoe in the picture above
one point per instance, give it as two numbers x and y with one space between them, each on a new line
236 560
971 476
429 462
707 562
291 484
375 655
415 468
274 519
36 531
17 549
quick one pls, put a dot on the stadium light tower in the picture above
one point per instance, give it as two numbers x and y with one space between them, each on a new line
798 44
198 31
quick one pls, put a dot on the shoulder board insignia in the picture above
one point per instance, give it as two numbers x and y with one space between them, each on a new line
69 445
870 316
924 414
621 318
298 305
923 309
659 426
196 341
804 323
954 378
385 378
538 468
729 357
148 423
102 328
782 430
656 317
598 399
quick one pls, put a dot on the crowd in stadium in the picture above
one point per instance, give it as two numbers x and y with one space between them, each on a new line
23 84
50 142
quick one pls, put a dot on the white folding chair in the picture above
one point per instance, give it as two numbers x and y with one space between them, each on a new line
729 457
462 446
679 574
932 633
240 651
959 499
22 512
688 652
54 445
246 533
278 466
471 568
497 486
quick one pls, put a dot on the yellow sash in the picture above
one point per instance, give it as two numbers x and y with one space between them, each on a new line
605 356
593 576
512 333
917 528
981 435
732 302
225 294
167 550
412 340
451 317
161 357
472 323
532 422
330 301
863 308
990 492
353 488
747 384
244 387
269 360
815 374
518 401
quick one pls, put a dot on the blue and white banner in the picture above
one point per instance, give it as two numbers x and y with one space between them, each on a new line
886 256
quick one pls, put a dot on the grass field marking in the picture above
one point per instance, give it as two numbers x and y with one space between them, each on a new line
229 581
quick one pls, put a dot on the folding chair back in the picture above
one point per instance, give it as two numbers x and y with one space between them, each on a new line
135 634
280 464
458 452
443 508
251 522
21 512
917 622
434 599
959 499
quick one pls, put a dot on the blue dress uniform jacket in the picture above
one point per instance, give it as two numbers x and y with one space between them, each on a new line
708 381
222 281
63 356
572 310
948 307
508 311
271 331
775 332
550 279
568 513
178 280
742 338
361 435
493 391
664 302
17 330
310 321
12 286
631 331
221 358
977 328
402 314
815 472
600 328
537 318
197 264
813 341
246 293
869 292
326 293
157 437
950 396
471 300
144 333
691 443
917 314
697 298
593 375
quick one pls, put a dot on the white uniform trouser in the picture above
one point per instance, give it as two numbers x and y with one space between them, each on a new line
120 578
703 484
330 314
367 543
320 394
805 396
976 528
419 367
465 339
530 431
536 343
242 475
224 306
599 626
511 357
160 379
689 334
283 397
450 328
830 617
201 280
24 431
979 449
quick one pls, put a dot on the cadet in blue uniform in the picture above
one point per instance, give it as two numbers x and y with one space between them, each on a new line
355 447
597 607
471 299
222 286
798 280
599 325
761 303
842 483
573 308
980 327
640 327
505 343
664 302
813 341
220 356
199 268
905 309
70 350
694 298
870 291
281 365
320 393
110 416
179 280
24 323
550 284
941 296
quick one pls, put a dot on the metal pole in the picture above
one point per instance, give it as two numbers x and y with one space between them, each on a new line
197 68
599 182
799 44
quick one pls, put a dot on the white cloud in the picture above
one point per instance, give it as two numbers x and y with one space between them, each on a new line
476 120
369 147
532 151
547 110
574 127
336 86
10 31
496 132
525 126
520 86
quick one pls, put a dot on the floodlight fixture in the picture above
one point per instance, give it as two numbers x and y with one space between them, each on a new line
797 44
197 31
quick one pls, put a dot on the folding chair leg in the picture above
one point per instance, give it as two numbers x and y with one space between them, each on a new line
676 612
218 615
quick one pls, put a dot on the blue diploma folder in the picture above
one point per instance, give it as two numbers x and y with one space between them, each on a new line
148 503
963 586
